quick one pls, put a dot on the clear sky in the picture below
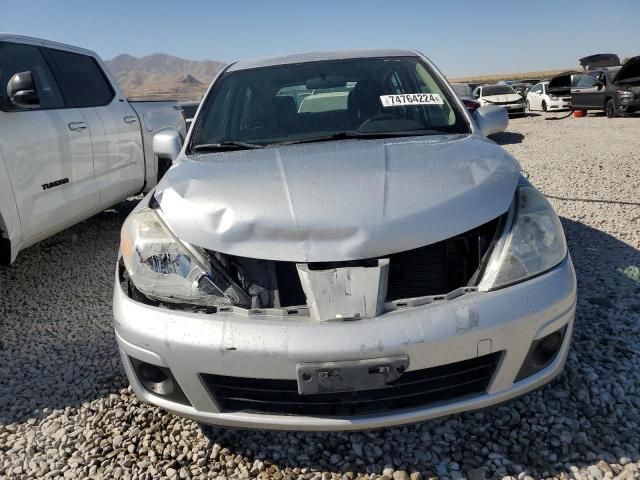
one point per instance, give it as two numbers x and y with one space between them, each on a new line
461 37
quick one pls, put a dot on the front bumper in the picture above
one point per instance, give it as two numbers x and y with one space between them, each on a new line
515 108
630 106
478 323
559 104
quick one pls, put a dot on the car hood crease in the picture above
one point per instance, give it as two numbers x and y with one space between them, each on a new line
338 201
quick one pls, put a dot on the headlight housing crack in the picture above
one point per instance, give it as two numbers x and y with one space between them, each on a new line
533 242
167 270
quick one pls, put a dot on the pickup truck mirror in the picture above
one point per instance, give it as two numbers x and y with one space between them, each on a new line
491 119
21 91
167 144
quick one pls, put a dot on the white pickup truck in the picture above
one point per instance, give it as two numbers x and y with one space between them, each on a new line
71 145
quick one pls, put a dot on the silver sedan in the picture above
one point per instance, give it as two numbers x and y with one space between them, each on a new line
338 246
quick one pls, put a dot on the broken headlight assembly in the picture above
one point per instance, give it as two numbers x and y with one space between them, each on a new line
165 269
533 242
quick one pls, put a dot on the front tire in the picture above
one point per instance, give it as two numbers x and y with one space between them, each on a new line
544 106
610 108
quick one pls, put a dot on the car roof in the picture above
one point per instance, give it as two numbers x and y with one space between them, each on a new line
44 42
319 57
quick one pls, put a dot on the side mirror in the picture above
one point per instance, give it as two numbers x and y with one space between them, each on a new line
21 91
491 119
167 144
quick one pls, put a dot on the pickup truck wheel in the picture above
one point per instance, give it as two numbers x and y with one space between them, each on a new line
610 108
544 106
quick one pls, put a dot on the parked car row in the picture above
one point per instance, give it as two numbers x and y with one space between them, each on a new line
606 85
612 89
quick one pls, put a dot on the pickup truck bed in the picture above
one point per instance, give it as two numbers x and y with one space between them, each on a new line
155 115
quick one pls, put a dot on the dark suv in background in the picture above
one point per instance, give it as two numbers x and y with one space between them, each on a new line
614 90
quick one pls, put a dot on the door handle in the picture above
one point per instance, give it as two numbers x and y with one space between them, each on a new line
75 126
131 119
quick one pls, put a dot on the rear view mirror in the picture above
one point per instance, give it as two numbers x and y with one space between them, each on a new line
167 144
21 91
324 81
491 119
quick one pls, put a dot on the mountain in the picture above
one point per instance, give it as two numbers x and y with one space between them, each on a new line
163 76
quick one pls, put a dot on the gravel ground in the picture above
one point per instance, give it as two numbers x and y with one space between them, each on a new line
66 411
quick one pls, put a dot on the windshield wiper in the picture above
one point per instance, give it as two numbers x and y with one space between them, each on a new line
229 145
365 135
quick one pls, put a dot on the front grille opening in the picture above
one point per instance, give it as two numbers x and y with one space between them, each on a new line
290 291
435 269
418 388
441 267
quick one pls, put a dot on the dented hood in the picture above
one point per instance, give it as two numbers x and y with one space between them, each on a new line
337 201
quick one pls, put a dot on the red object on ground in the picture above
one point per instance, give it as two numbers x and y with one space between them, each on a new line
580 113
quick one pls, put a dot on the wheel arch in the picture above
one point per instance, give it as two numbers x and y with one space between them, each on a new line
610 98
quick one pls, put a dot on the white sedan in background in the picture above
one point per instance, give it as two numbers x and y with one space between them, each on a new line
500 95
539 98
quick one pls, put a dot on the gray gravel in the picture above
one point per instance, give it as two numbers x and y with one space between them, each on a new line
66 411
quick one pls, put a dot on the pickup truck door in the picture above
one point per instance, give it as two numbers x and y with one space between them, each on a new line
114 126
47 150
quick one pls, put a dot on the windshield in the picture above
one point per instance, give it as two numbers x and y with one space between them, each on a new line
315 100
497 90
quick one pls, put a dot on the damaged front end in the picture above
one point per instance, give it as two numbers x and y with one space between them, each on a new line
162 270
627 82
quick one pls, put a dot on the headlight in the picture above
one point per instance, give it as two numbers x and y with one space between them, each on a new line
534 244
167 270
553 97
625 95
